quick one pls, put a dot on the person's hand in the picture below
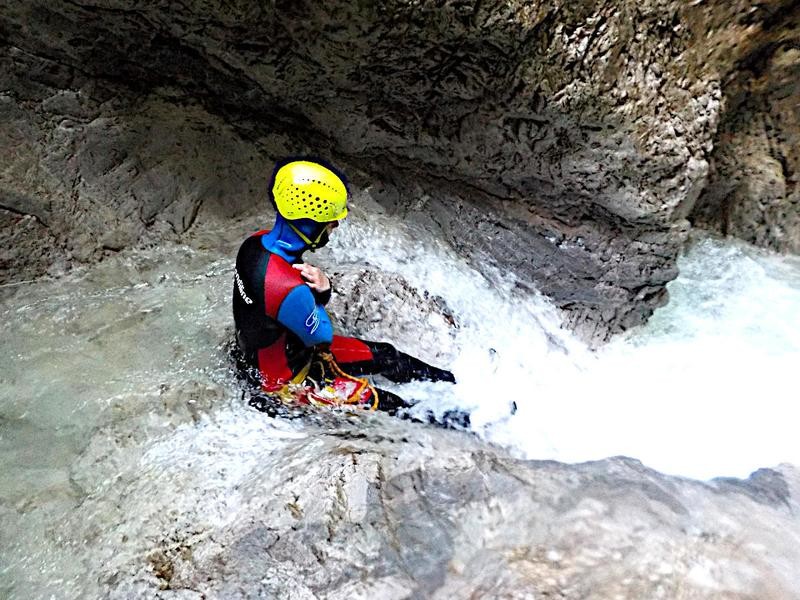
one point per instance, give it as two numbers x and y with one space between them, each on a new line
315 278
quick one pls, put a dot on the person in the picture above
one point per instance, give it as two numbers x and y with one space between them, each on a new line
284 334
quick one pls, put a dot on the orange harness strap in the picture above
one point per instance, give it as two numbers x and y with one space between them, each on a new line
332 390
353 397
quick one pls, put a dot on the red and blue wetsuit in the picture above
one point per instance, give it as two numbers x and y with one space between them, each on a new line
280 320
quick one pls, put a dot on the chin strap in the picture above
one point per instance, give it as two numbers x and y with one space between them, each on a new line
312 245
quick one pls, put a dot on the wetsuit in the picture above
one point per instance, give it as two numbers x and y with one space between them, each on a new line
280 320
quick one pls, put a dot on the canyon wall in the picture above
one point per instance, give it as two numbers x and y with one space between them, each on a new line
568 142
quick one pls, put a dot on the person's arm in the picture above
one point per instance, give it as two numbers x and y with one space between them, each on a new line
322 298
302 315
316 279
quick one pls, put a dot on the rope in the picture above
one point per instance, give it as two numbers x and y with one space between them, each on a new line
354 398
326 395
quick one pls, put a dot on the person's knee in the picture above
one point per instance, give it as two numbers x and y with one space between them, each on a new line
382 349
400 367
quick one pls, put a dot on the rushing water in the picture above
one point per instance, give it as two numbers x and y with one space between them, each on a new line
118 410
705 389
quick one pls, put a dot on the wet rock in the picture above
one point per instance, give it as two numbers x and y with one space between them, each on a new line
26 249
753 190
378 509
379 306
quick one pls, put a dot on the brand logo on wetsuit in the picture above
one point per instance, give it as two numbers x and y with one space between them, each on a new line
312 322
240 285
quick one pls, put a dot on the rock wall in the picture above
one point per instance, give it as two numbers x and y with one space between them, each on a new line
565 141
88 167
753 191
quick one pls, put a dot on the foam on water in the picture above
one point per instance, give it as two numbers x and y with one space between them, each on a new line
705 389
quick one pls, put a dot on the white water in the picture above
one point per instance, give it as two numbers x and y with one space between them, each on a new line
119 417
707 388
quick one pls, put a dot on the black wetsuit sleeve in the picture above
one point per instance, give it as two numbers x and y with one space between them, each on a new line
322 297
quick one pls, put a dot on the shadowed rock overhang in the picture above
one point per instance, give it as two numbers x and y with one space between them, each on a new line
573 138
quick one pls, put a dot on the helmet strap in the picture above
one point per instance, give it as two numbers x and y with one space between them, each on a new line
311 244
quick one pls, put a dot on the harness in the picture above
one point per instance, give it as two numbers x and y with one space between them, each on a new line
336 388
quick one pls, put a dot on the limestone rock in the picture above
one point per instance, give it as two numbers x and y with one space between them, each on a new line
753 192
579 134
383 307
361 513
26 250
104 175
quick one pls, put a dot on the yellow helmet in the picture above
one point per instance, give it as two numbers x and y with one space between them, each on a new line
307 190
